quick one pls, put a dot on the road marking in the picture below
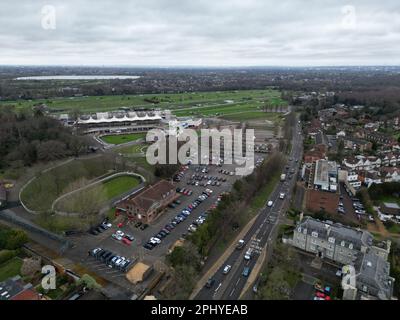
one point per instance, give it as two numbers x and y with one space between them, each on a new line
237 282
216 290
233 290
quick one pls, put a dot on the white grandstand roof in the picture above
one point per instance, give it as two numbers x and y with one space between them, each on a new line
106 117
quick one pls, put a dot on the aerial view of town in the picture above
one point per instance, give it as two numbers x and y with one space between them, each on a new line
152 152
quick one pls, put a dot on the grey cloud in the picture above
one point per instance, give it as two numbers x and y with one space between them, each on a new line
200 32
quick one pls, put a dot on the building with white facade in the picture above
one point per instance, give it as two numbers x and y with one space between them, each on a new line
326 175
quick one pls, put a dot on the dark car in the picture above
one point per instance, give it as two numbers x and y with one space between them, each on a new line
129 237
93 232
148 246
210 283
138 224
143 226
163 233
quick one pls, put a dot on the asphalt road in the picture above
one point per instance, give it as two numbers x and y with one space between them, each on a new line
230 286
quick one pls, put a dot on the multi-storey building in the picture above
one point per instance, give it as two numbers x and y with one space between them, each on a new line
348 246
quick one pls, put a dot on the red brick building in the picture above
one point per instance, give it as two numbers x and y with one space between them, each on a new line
148 204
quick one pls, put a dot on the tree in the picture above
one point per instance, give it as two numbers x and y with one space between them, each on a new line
89 282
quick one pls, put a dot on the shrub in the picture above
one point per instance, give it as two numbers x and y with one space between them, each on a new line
6 255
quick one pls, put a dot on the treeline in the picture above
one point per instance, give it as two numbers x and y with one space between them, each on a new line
376 191
28 138
10 242
227 214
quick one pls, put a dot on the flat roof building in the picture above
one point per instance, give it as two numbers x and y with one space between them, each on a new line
390 208
326 175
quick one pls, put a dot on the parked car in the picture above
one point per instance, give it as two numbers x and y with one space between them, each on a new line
129 237
126 241
143 226
116 237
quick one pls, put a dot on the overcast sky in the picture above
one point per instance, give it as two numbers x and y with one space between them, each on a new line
200 32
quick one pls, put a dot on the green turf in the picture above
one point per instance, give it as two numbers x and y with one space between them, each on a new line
10 268
47 187
103 192
133 150
253 115
165 101
120 185
123 138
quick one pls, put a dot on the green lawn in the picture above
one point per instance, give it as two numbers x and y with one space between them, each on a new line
10 268
253 115
120 185
96 196
163 101
123 138
48 186
133 150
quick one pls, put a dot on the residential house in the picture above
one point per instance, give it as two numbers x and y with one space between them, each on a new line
390 208
16 289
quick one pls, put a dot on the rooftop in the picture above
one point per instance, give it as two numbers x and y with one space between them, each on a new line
327 229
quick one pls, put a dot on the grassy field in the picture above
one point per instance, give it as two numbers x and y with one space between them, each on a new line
120 185
164 101
10 268
97 195
123 138
133 150
48 186
254 115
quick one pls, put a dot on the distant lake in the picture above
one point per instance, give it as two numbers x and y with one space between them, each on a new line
99 77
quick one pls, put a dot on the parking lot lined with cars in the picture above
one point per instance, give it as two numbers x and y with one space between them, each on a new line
127 240
180 217
351 206
111 260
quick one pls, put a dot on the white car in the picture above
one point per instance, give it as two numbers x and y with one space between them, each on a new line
281 195
155 240
247 255
120 233
270 203
117 237
227 269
